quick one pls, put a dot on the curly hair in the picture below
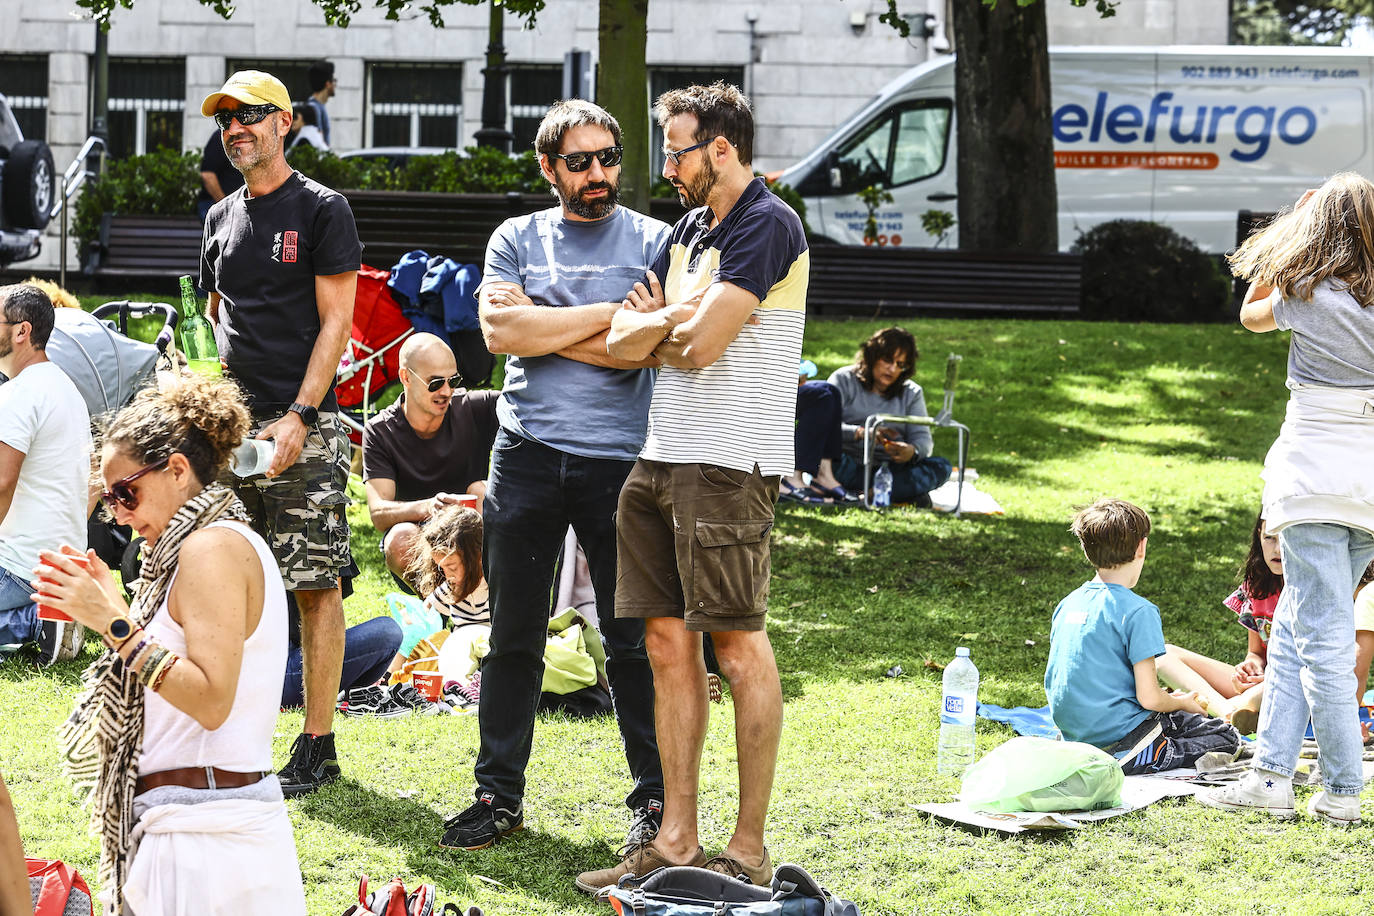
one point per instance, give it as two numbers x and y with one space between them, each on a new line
1258 580
721 110
1330 237
886 344
202 418
567 114
453 529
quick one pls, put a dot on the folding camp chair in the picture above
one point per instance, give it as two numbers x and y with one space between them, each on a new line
944 418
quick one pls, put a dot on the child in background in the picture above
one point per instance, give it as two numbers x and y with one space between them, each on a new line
1311 271
447 570
1101 680
1234 692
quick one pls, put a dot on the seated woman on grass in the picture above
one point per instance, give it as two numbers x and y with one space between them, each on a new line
173 731
830 424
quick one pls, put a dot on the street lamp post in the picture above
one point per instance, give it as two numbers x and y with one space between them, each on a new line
493 132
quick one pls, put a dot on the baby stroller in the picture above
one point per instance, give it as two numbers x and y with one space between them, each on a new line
108 367
372 359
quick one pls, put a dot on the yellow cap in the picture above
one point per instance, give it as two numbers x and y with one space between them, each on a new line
251 87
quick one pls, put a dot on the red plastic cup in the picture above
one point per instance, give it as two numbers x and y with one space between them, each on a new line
48 613
467 499
429 683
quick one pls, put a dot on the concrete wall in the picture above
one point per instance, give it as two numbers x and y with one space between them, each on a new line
1139 22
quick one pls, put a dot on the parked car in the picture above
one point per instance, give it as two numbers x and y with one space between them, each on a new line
396 156
26 190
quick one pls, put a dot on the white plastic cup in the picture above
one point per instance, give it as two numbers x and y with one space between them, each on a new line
252 457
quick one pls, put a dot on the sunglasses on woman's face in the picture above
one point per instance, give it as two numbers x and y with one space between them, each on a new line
121 494
246 115
435 384
580 162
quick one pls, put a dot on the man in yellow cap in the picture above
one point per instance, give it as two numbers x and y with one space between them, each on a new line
280 259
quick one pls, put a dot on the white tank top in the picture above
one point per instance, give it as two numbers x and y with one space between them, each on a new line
172 739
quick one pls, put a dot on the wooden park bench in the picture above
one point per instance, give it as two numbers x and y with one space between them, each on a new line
896 280
145 247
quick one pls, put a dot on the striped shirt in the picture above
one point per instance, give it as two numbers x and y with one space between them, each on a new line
739 411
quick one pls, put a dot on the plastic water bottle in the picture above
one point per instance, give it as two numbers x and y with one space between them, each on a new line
197 337
882 487
958 709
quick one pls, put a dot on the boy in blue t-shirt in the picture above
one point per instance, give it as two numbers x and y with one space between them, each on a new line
1101 680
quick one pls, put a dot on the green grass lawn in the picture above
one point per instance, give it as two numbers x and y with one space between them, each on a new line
1175 418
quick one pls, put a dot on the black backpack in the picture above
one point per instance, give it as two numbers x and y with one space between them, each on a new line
688 891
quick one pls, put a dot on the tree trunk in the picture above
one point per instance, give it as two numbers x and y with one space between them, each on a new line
1007 196
622 88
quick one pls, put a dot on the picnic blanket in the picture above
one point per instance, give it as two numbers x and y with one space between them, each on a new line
974 501
1136 792
1023 720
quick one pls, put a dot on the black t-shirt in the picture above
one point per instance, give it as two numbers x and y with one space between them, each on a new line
262 254
448 462
215 160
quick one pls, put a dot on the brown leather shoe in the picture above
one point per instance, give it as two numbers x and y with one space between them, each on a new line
761 874
640 861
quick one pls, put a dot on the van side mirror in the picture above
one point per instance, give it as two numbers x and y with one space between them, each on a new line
832 163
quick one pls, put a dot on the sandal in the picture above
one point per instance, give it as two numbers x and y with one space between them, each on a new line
837 493
807 497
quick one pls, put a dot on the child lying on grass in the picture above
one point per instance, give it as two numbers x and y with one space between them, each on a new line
1101 679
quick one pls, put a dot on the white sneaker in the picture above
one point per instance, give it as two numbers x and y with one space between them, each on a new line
1341 810
1258 790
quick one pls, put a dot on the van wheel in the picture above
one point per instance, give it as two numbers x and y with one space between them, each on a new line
27 190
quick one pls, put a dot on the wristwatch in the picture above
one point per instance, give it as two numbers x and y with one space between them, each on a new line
118 629
307 413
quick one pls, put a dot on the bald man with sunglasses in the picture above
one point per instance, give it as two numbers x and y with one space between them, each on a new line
572 421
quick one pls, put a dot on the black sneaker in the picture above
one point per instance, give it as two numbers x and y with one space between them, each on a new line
313 763
373 700
648 818
59 641
481 824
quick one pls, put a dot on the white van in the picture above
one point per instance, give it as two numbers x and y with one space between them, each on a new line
1185 136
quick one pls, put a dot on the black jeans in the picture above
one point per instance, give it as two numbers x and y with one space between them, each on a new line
534 493
1175 739
818 425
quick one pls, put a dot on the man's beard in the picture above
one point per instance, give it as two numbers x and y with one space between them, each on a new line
589 209
694 194
263 149
7 344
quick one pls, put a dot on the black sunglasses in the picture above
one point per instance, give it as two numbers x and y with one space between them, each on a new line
434 384
120 493
580 162
244 114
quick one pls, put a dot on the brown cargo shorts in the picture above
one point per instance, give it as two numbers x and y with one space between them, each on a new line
692 542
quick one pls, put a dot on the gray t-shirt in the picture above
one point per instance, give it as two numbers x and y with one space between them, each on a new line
1333 338
857 402
583 410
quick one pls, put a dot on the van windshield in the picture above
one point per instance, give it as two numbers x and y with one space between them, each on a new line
905 143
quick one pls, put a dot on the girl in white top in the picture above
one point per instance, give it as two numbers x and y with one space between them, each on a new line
1312 273
173 731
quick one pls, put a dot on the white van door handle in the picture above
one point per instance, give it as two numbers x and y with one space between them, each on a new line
941 196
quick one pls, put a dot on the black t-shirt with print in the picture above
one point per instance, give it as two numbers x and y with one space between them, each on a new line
262 254
447 462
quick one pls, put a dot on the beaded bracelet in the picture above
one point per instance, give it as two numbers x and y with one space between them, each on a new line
172 659
155 657
129 660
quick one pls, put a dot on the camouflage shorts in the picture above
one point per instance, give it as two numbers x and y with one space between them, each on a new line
302 513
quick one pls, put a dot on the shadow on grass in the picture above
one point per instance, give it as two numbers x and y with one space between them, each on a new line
529 863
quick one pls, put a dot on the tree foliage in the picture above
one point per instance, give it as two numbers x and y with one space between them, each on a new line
1289 22
336 12
1105 9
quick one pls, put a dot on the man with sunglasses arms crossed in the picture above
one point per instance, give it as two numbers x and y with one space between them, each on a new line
418 453
280 259
572 420
45 465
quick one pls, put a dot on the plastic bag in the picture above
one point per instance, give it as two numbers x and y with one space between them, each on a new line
1037 774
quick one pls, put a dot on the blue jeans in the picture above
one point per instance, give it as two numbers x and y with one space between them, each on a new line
534 493
368 650
818 425
1311 668
920 475
18 615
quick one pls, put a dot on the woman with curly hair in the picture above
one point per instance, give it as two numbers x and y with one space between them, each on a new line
830 425
173 731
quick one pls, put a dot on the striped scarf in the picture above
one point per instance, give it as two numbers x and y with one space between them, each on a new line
103 737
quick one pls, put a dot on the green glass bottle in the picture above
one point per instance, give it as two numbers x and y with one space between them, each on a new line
197 337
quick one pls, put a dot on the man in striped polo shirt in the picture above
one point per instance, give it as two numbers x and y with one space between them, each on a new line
696 511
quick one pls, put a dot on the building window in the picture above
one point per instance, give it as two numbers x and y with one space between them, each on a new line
24 78
661 79
147 99
414 105
533 88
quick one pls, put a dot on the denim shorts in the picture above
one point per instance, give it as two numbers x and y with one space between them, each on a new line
692 542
